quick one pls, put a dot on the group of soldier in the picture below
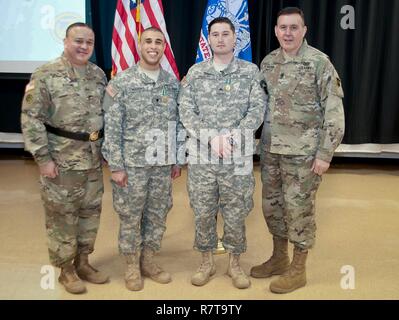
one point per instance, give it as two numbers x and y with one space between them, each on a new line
147 126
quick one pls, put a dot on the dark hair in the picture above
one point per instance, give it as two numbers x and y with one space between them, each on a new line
221 20
77 24
291 10
153 29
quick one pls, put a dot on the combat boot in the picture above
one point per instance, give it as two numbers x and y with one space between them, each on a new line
277 264
70 280
240 279
86 272
295 277
205 271
150 269
133 280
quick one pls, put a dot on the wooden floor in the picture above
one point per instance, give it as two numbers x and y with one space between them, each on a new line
356 254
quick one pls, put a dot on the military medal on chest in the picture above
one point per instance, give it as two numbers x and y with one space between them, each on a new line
227 86
165 98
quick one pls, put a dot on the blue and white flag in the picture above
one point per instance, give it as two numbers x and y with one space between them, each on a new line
237 12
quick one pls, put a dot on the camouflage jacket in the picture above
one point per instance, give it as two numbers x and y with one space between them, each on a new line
141 120
227 100
56 95
305 113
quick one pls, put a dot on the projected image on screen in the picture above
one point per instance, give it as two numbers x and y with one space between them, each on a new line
32 31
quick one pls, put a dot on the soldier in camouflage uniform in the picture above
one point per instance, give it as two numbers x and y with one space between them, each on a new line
140 147
221 104
61 123
304 124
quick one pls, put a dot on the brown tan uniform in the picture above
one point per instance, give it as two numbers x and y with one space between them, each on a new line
61 100
304 120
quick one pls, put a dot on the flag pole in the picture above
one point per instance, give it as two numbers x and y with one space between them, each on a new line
138 18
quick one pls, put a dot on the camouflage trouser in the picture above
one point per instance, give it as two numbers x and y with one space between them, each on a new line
288 197
142 207
211 187
72 203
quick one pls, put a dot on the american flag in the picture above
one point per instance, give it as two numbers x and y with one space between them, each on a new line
131 18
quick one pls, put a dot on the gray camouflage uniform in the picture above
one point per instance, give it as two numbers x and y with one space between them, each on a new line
230 99
59 96
304 120
141 126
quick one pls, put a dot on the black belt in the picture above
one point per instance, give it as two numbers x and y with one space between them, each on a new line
83 136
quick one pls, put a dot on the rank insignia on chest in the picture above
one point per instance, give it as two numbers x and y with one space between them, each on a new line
156 100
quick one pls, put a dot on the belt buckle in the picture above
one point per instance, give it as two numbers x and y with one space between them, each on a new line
94 136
